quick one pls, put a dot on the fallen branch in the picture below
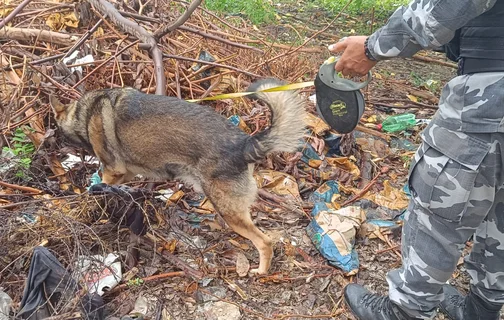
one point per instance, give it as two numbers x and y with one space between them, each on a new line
389 249
148 42
364 129
31 35
20 188
427 59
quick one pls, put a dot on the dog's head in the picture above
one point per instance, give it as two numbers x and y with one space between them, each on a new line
59 109
70 120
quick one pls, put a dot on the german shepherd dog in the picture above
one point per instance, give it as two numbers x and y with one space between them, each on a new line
163 137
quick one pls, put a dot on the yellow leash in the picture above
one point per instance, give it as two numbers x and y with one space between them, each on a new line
286 87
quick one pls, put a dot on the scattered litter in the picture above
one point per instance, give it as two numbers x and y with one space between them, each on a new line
72 160
333 234
403 144
398 122
240 123
28 218
100 273
328 193
140 309
50 288
164 194
332 142
72 59
8 160
5 305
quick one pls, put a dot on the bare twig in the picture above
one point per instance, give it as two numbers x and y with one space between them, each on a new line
366 188
34 63
180 21
171 56
149 279
216 38
14 13
84 37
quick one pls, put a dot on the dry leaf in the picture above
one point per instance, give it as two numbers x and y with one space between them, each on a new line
98 33
6 10
57 21
233 286
242 264
346 165
279 183
316 124
412 98
171 245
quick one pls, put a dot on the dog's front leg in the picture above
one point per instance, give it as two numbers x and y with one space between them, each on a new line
112 176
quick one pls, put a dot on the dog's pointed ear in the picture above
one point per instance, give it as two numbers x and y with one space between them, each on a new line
58 108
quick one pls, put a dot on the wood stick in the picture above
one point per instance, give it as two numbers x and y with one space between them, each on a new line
29 35
372 132
21 188
443 63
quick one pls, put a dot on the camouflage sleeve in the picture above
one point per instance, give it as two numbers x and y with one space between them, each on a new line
423 24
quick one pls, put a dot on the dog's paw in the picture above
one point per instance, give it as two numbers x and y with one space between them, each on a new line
257 271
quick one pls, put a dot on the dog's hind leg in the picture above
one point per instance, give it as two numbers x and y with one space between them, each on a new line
233 205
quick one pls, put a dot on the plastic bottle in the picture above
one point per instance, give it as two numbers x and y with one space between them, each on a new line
398 122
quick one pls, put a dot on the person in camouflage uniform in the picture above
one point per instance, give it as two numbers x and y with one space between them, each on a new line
456 178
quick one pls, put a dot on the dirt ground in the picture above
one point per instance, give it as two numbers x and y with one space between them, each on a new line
194 270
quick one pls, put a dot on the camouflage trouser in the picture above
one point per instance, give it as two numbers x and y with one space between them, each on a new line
457 191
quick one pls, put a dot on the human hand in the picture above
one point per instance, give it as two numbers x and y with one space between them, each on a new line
353 61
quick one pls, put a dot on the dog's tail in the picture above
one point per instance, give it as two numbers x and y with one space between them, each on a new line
287 123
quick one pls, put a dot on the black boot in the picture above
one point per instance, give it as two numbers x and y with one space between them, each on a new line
368 306
471 307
